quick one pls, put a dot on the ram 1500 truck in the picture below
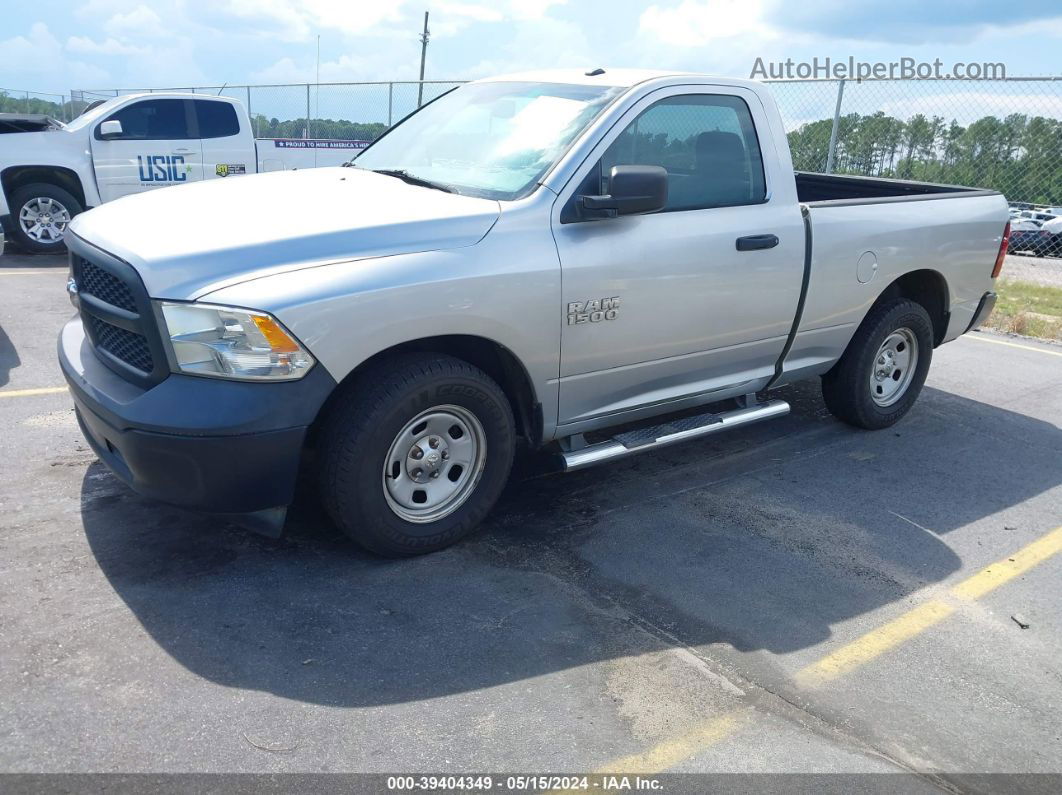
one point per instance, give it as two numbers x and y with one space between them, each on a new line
50 171
562 257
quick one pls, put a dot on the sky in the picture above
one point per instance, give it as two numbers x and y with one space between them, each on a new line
59 45
62 45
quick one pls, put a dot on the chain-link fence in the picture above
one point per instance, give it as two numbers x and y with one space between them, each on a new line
55 105
1001 134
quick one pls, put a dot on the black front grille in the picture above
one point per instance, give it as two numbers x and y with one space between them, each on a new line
95 281
117 314
130 347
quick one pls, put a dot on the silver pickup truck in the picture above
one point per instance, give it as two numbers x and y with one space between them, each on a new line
564 257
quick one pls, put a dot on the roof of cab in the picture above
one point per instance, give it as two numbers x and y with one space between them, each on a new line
623 78
177 95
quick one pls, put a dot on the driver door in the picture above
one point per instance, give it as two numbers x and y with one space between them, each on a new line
158 146
670 307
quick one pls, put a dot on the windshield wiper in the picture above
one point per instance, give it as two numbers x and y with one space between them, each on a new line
405 176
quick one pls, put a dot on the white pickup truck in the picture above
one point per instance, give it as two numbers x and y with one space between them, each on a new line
50 171
586 261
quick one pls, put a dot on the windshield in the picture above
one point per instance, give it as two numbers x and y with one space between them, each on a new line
493 140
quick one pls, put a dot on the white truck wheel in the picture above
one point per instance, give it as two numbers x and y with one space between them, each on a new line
40 213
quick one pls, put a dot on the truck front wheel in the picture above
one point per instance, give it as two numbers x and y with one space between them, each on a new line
878 378
416 455
40 214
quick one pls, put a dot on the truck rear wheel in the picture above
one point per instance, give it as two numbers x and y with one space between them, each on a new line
884 367
40 213
415 457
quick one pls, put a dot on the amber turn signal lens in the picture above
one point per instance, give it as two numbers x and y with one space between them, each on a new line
277 338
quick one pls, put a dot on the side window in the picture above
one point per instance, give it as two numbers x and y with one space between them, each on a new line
153 120
216 119
707 144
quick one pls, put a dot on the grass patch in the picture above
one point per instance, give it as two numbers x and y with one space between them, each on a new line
1029 309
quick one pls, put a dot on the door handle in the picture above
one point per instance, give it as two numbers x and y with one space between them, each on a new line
182 150
754 242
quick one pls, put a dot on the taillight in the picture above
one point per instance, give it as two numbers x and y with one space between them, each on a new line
1002 255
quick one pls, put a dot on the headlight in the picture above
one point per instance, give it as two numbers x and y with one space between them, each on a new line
233 343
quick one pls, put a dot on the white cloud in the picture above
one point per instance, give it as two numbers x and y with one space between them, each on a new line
283 71
347 68
693 23
31 51
140 21
532 9
299 21
38 57
545 43
111 46
469 11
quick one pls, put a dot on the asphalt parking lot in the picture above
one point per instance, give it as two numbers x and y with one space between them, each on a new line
798 596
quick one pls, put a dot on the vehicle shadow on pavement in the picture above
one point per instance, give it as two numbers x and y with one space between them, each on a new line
9 358
763 540
11 257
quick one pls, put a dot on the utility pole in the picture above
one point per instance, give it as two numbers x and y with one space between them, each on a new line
317 102
423 55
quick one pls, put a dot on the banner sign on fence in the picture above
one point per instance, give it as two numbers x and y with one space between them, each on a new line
317 143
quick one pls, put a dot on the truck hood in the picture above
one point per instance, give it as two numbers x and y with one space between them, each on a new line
192 239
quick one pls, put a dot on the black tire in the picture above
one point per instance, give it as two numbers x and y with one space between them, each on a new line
27 193
846 388
361 427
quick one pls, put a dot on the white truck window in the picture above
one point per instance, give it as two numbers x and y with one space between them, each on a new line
216 119
707 144
153 120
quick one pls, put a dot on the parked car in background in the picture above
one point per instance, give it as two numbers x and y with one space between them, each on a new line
50 171
1053 229
1037 215
1029 237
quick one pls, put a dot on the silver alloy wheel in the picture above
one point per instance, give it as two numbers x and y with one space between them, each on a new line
894 367
434 464
44 219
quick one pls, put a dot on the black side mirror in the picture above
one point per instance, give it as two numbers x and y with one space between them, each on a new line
633 190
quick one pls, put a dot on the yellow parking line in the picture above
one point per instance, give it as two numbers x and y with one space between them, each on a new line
670 752
48 390
874 643
1005 570
32 273
1032 348
878 641
847 658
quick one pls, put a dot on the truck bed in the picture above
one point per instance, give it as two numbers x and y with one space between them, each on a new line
814 187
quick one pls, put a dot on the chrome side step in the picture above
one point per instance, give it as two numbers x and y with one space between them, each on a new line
651 438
